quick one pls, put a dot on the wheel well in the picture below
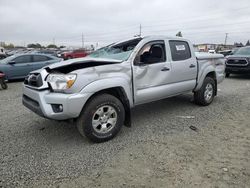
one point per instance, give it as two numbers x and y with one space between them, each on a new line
213 76
120 94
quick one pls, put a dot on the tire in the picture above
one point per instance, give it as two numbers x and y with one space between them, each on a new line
4 85
227 75
97 119
205 95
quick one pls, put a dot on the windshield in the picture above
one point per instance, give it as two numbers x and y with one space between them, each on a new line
242 51
6 60
120 51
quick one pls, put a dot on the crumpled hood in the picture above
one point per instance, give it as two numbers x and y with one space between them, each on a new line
84 60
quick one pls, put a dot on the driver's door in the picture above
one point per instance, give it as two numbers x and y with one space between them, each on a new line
151 73
21 66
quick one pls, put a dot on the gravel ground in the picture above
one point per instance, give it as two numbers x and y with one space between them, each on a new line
160 150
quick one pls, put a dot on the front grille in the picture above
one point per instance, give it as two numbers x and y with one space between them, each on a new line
237 62
34 80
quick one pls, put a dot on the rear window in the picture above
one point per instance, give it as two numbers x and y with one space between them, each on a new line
179 50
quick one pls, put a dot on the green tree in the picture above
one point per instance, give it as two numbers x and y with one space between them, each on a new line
8 46
51 46
37 45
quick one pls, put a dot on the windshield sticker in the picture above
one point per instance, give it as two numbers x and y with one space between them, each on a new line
180 47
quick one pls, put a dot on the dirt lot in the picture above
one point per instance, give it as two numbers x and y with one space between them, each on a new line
160 150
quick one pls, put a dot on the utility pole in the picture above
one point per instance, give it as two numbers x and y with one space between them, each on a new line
226 39
82 41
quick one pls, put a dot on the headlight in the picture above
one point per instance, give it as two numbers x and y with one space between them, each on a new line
61 82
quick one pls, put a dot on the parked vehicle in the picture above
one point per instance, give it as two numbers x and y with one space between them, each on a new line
2 53
74 54
49 52
212 51
2 81
61 52
18 66
239 63
98 91
225 52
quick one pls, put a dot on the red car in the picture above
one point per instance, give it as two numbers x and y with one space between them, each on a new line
74 54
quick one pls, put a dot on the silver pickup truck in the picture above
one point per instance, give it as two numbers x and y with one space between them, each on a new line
98 91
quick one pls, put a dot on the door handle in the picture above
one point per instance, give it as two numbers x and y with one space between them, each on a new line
165 69
192 66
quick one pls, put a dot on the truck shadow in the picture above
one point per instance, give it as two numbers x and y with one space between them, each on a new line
143 116
239 76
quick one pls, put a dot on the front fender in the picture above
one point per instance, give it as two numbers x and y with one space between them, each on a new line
107 83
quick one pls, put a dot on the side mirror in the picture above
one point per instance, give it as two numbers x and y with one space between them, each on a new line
12 63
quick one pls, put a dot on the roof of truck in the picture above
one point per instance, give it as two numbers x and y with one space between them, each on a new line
153 37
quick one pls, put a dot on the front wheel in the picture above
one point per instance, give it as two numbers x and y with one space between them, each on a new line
205 95
4 85
101 118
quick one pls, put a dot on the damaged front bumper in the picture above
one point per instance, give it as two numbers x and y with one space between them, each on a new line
56 106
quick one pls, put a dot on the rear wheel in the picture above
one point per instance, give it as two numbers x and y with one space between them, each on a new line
205 95
227 75
102 118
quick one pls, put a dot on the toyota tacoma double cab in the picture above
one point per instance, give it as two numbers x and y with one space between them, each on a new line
99 91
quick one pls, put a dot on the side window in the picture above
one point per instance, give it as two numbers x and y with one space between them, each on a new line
39 58
179 50
152 53
23 59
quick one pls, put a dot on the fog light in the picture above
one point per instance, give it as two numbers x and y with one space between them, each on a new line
57 108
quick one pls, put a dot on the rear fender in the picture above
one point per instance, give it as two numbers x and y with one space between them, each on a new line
202 75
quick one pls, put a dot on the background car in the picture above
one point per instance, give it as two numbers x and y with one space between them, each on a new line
20 65
49 52
74 54
239 62
228 52
225 52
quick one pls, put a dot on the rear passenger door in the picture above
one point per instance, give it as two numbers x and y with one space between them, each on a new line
184 65
39 61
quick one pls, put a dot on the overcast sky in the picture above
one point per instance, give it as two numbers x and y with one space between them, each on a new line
105 21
